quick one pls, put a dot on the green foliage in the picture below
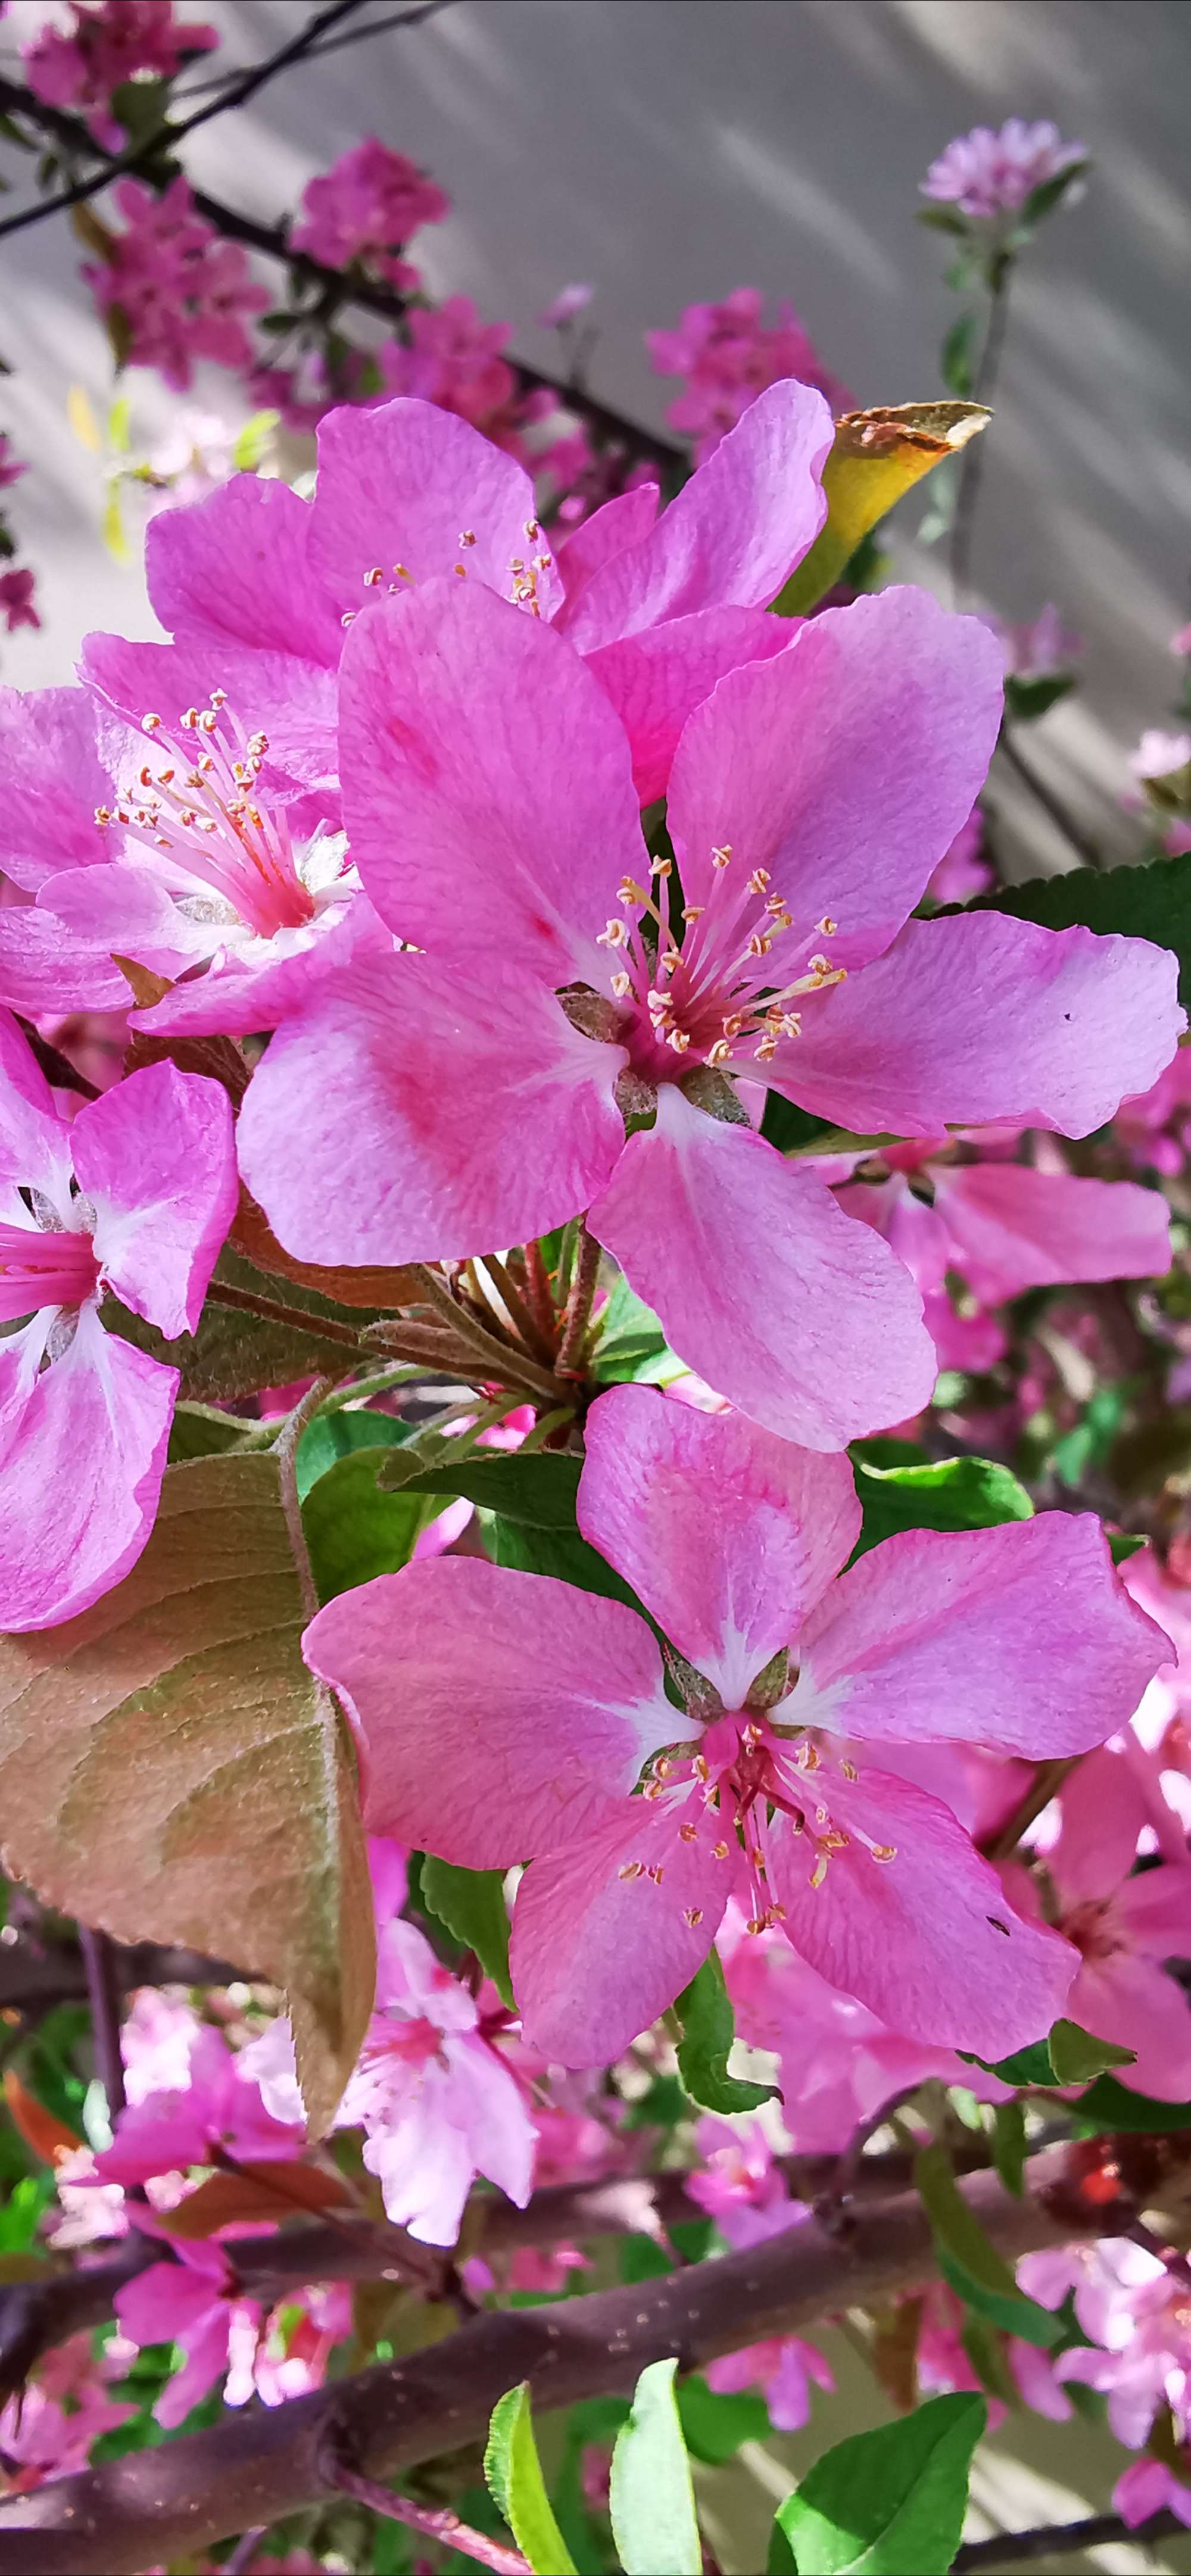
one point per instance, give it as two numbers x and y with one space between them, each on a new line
471 1903
1009 2145
233 1353
704 2009
715 2423
652 2500
969 2261
632 1346
887 2503
1143 903
1110 2105
353 1531
1068 2055
954 1494
514 2475
338 1434
537 1492
1026 699
957 358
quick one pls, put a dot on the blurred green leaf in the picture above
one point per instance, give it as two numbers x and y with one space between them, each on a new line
1009 2145
957 358
472 1905
704 2009
1026 699
715 2422
969 2261
514 2475
954 1494
652 2500
1109 2105
353 1531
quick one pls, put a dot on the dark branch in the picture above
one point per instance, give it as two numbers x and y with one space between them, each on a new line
1056 2539
33 1979
416 17
254 2468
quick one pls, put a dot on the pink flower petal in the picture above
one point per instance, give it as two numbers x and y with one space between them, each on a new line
974 1018
502 1713
59 954
735 531
236 568
1103 1809
1021 1638
803 1320
82 1455
241 993
401 486
423 1112
916 1938
156 1157
835 767
1132 2001
728 1534
1015 1228
34 1137
595 1956
657 678
55 775
293 702
511 775
622 521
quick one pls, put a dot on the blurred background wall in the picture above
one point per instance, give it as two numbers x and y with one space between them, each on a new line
669 150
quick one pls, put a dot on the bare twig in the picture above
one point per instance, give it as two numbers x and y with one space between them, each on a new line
33 1979
103 1995
416 17
1044 795
257 2466
434 2522
296 1319
579 1304
1059 2539
972 466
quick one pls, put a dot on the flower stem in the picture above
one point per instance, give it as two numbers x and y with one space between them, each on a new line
972 467
286 1454
103 1995
435 2522
296 1319
504 1362
517 1309
579 1304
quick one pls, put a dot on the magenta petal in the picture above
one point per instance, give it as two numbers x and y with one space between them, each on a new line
978 1018
595 1956
1103 1808
401 485
728 1534
1132 2001
916 1937
503 1713
156 1157
421 1113
293 702
59 954
836 770
657 678
82 1455
34 1137
487 736
236 568
55 774
802 1319
1013 1228
733 534
241 993
618 523
1021 1638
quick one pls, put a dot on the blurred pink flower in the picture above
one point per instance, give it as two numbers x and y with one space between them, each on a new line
962 870
572 301
1147 2487
987 174
181 292
11 467
365 208
78 64
16 598
729 355
454 359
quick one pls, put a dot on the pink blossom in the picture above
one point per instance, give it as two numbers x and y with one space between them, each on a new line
364 208
1042 648
1141 1121
1149 2486
453 359
259 587
1180 642
566 307
782 2367
11 467
963 870
729 355
135 1196
1005 1226
506 1717
47 2430
988 174
740 2183
16 599
192 850
181 291
436 2102
216 2109
1160 755
505 1112
103 44
194 2301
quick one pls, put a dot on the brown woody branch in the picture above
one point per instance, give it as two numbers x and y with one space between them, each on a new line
253 2468
35 1977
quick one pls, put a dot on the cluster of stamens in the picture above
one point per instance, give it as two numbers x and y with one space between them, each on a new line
525 573
703 987
726 1800
201 811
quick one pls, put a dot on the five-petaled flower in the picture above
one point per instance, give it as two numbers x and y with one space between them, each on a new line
506 1717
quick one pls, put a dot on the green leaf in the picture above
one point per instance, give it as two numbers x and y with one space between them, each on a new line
1077 2055
471 1903
877 456
1009 2145
562 1554
945 219
201 1431
1026 2066
1144 903
1122 1544
957 356
514 2475
233 1353
253 440
652 2501
888 2503
1115 2106
170 1771
1043 199
1026 699
954 1494
714 2425
353 1531
970 2262
632 1346
537 1492
336 1435
792 1130
704 2009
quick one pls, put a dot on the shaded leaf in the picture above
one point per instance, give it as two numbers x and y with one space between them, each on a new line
704 2009
471 1903
170 1771
235 1353
255 2191
514 2475
1115 2106
1009 2145
1077 2056
651 2499
968 2259
1027 699
715 2422
878 455
891 2502
338 1435
201 1430
538 1492
48 2136
1144 903
953 1494
353 1530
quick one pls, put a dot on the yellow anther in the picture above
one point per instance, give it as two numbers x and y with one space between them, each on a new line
883 1851
679 1039
758 881
628 891
693 911
733 1025
622 984
461 569
467 536
661 867
655 1872
765 1053
613 935
372 578
827 928
532 529
849 1770
700 1768
688 1833
720 1053
819 965
150 723
632 1869
759 945
692 1914
662 1767
719 1851
819 1872
757 1924
722 858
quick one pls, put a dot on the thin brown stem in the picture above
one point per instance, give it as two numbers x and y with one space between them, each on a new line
504 1362
434 2522
1064 2540
538 1278
1045 796
296 1319
518 1311
286 1454
579 1304
1048 1778
103 1995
